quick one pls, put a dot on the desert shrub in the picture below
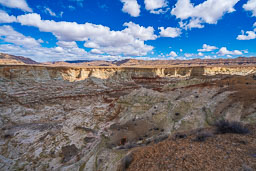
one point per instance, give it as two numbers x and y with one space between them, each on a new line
130 146
180 136
254 77
125 163
160 138
224 127
201 137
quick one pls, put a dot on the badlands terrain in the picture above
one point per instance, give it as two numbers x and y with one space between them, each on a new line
127 115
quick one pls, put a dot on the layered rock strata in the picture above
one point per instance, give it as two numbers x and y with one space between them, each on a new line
90 118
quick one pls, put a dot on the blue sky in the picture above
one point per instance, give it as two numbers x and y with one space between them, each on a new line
118 29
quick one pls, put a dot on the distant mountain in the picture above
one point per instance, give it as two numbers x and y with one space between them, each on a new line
6 59
81 63
78 61
202 62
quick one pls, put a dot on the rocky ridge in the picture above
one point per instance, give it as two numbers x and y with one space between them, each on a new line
6 59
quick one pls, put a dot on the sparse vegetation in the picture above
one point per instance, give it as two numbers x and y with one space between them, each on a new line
224 127
160 138
126 161
201 137
180 136
254 77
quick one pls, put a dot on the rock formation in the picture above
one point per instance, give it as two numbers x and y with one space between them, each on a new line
92 118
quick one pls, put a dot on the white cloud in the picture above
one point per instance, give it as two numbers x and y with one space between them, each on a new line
49 11
193 23
155 6
188 55
207 48
248 36
21 45
210 11
40 41
209 57
251 6
200 54
170 32
173 54
43 54
224 51
131 7
96 51
6 18
67 44
8 34
140 32
245 51
181 50
254 25
20 4
128 42
237 52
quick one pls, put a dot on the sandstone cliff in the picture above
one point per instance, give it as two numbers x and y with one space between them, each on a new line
41 73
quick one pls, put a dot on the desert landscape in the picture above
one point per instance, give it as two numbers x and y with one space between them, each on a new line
129 116
127 85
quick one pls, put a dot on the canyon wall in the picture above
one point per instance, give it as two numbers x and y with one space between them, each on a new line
44 73
77 118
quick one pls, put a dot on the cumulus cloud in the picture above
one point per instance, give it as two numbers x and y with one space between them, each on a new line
210 11
128 42
140 32
224 51
193 23
131 7
207 48
200 54
155 6
20 4
248 36
170 32
96 51
8 34
173 54
251 6
21 45
43 54
6 18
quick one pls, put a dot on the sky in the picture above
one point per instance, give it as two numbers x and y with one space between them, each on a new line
62 30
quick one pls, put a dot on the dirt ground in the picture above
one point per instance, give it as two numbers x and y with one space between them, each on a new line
185 152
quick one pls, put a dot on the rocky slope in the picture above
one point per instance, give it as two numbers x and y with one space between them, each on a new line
70 118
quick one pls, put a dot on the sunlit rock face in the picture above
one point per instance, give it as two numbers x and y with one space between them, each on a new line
71 74
72 118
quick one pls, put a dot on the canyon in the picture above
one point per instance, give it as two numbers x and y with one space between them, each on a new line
95 117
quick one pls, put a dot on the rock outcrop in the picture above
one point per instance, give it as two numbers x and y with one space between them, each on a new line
44 73
70 118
